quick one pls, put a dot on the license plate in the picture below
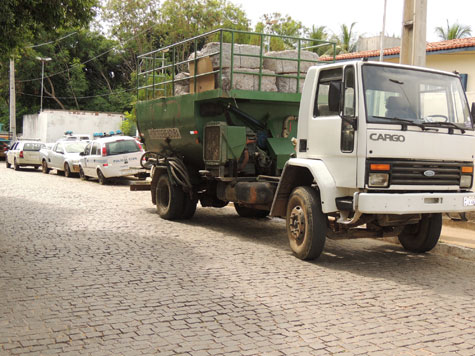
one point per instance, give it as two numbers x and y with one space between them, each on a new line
469 201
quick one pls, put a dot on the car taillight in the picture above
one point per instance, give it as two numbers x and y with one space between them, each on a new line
104 151
21 154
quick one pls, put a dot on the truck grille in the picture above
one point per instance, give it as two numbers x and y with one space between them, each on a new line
212 143
424 172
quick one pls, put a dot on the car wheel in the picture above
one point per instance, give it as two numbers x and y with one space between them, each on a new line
102 180
67 170
6 162
44 167
82 176
36 167
16 166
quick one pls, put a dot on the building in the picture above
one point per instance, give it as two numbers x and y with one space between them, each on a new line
50 125
452 55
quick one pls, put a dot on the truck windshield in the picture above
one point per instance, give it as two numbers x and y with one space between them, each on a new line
399 95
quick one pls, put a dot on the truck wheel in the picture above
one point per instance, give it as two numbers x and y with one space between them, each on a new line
189 206
44 167
423 236
246 212
100 176
306 223
82 176
16 166
67 170
169 199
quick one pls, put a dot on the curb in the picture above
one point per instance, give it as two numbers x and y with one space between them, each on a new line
444 249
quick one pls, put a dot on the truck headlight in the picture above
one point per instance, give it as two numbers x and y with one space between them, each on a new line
465 181
379 180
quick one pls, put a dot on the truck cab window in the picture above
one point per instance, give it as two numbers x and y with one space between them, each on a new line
328 93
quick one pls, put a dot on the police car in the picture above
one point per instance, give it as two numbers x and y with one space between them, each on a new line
111 156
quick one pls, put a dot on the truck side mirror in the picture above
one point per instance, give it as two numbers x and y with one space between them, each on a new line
334 96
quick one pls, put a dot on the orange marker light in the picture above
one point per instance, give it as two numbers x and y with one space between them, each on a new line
467 169
380 167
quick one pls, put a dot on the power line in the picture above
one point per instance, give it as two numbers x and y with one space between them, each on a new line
59 39
88 60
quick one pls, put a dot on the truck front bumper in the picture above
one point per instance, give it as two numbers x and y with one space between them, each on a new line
413 203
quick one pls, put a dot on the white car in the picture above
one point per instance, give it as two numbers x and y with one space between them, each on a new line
108 157
24 153
64 157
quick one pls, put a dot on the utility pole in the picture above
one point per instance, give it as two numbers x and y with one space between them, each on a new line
381 43
12 101
414 28
43 60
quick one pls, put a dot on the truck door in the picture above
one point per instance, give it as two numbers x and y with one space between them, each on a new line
331 135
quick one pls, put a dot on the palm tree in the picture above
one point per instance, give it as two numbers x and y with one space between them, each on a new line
453 31
345 41
319 34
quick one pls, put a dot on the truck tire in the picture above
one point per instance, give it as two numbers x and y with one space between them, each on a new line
306 223
247 212
189 206
44 167
423 236
169 199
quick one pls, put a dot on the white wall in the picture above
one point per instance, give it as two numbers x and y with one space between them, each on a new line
50 125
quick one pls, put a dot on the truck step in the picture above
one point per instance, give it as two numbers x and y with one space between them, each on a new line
344 203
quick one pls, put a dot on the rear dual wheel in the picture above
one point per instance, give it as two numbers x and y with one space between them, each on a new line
172 202
424 235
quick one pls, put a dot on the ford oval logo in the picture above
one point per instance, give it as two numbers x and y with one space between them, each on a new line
429 173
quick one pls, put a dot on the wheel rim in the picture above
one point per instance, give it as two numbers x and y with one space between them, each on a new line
297 224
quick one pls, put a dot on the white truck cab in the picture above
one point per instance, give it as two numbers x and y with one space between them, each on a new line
382 145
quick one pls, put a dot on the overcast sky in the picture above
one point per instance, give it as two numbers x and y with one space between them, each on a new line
368 14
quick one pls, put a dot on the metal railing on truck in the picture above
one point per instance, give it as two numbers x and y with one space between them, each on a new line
161 71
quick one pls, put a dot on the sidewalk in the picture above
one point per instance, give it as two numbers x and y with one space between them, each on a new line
461 233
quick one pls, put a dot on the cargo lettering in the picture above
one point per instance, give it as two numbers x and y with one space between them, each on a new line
387 137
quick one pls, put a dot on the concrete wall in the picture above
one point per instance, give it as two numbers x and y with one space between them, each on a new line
50 125
373 43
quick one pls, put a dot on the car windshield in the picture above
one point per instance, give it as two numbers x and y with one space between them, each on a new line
33 146
75 147
395 95
122 146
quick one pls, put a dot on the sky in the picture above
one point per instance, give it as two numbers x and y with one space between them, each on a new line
368 14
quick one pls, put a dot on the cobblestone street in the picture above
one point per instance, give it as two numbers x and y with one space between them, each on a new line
90 269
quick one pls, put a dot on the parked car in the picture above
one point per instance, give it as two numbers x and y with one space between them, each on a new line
24 153
64 157
3 147
75 137
108 157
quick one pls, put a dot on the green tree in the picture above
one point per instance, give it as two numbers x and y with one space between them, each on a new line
346 40
454 31
276 24
319 33
21 20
